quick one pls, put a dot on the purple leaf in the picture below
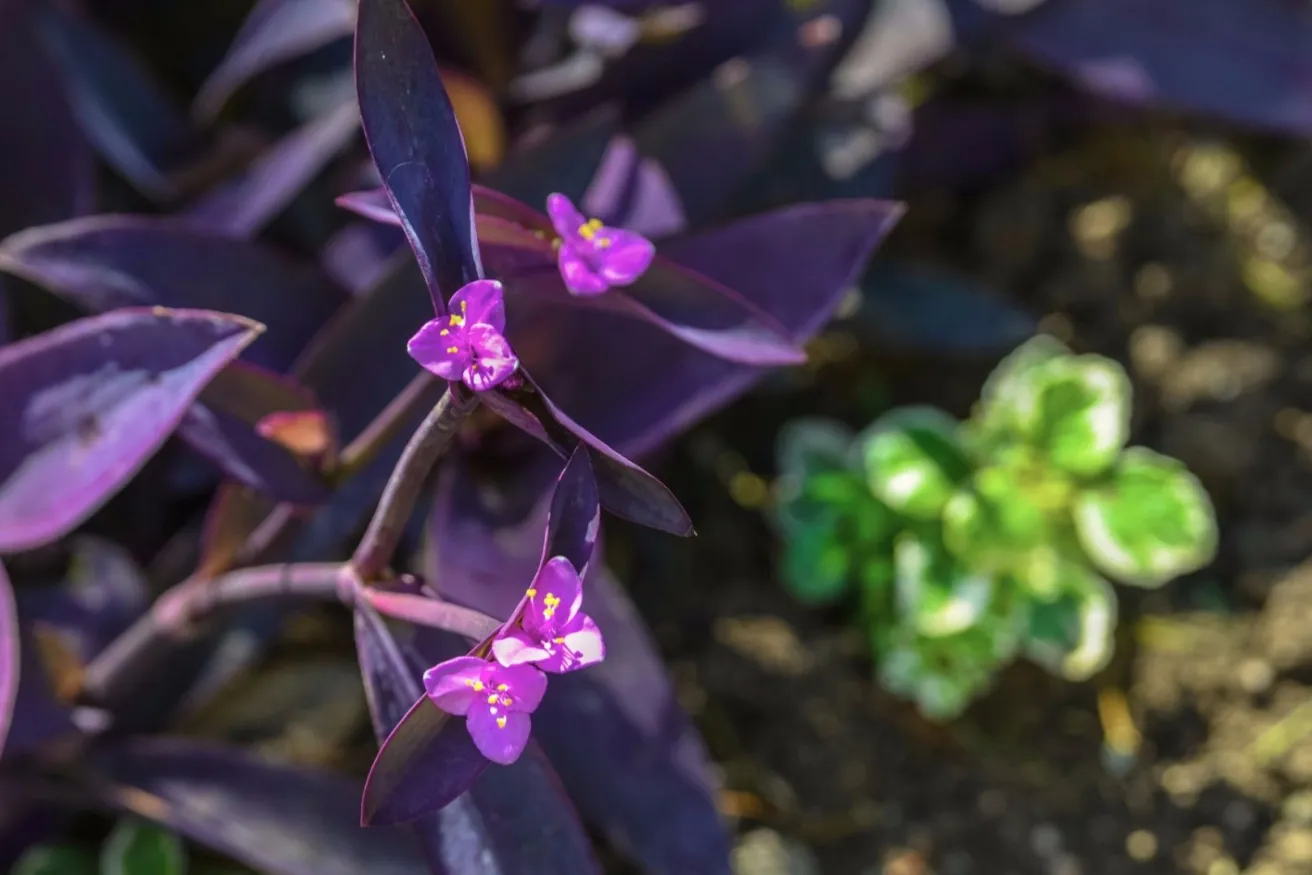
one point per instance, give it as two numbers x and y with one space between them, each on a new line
241 208
103 592
356 256
9 655
512 818
794 263
372 204
574 520
274 818
223 428
132 122
103 262
626 490
46 167
274 32
1243 61
89 402
425 759
629 756
416 144
636 193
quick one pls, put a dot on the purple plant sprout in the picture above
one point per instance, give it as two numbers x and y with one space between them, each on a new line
468 344
594 257
495 700
553 633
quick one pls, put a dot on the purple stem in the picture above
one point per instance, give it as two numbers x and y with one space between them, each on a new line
366 445
427 444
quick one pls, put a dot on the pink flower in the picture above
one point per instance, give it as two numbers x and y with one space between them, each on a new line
468 344
495 701
553 633
592 256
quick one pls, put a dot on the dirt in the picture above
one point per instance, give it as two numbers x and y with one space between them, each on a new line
1184 257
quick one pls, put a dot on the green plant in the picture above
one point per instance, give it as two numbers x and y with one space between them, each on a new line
967 544
133 847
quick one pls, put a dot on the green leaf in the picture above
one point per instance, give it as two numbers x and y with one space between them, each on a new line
135 847
913 460
1077 409
55 860
806 446
817 566
1073 636
1010 381
1150 522
995 523
935 594
814 472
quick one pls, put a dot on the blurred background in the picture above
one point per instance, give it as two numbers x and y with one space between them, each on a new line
1131 177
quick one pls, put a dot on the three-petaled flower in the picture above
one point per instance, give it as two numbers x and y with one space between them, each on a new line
548 632
494 699
468 344
553 633
592 256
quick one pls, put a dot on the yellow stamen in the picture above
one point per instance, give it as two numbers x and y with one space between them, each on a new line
589 230
531 592
492 699
457 321
477 685
444 332
502 687
501 723
453 349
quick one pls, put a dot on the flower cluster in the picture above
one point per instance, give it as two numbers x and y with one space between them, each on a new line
548 632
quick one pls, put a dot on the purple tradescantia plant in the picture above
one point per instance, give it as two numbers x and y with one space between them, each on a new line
495 700
594 257
467 344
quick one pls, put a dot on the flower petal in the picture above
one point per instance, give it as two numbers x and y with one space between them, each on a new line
565 217
501 737
579 276
557 597
515 646
491 359
482 301
526 685
579 646
626 258
446 355
453 685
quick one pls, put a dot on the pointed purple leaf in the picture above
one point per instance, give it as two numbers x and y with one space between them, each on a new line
372 204
794 263
277 819
626 490
244 206
647 784
46 167
104 591
104 262
88 403
274 32
1243 61
357 255
9 655
416 144
511 819
223 428
426 758
135 125
574 520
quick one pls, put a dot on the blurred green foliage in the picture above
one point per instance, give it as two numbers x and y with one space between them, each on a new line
967 544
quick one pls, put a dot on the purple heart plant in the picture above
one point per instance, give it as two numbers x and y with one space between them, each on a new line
512 686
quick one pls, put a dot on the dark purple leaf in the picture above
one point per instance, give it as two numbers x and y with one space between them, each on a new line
46 167
794 263
646 781
132 122
635 193
274 818
416 144
9 655
626 490
103 262
274 32
512 819
920 309
103 592
223 428
1243 61
87 403
356 256
372 204
241 208
426 758
574 520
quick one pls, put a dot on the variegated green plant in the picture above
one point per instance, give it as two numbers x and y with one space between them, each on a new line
967 544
